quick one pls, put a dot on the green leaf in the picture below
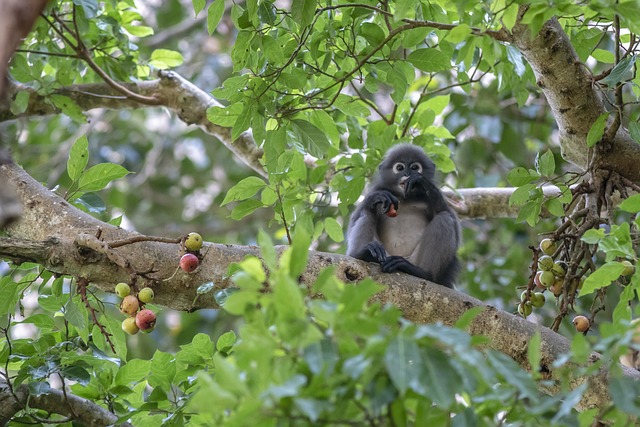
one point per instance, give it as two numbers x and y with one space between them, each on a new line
299 254
20 104
403 362
224 116
468 317
593 236
312 138
205 288
69 107
99 176
334 229
91 202
546 164
603 56
430 60
267 249
533 352
163 370
114 327
243 190
555 207
78 157
77 374
303 11
602 277
214 15
165 58
198 6
226 341
76 313
243 122
245 208
133 371
521 176
90 7
634 131
10 292
621 72
597 130
631 204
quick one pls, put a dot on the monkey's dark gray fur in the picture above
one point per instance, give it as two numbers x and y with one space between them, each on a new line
423 239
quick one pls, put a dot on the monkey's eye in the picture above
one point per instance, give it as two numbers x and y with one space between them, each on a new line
398 167
417 167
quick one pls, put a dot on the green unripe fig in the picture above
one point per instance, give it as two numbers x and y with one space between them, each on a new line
545 263
146 295
193 242
523 296
629 268
559 268
537 299
122 290
548 246
129 326
524 308
130 305
547 278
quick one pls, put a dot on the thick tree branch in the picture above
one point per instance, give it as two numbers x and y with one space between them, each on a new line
54 401
172 91
66 243
574 98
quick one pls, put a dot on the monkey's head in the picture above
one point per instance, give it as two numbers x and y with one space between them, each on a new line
401 162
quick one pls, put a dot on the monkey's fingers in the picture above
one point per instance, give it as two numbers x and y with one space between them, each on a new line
395 263
377 251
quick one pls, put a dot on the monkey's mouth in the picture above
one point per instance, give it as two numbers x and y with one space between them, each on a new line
402 183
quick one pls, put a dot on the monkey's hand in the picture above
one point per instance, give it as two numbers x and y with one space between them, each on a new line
377 252
418 186
397 263
380 202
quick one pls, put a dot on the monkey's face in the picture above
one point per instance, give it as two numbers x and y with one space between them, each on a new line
404 170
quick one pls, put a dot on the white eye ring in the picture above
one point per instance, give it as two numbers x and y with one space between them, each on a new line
416 167
398 167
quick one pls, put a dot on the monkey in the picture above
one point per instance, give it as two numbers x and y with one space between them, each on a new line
423 238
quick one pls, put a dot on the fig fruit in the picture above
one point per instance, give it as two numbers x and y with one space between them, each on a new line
392 213
146 319
537 299
524 308
122 290
548 246
189 262
581 323
545 263
629 268
130 305
193 242
129 326
146 295
547 279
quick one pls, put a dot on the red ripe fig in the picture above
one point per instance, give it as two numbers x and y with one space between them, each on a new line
189 262
392 213
146 319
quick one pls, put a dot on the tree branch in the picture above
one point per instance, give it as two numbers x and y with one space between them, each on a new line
54 401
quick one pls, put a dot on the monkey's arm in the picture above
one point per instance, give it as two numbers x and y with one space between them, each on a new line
418 186
362 237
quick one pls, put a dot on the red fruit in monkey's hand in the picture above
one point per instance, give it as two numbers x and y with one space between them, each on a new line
392 212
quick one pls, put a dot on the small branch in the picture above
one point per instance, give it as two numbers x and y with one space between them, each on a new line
82 284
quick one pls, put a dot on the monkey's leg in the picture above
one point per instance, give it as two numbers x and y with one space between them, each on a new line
363 241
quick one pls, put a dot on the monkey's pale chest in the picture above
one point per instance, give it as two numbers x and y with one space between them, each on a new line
402 234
